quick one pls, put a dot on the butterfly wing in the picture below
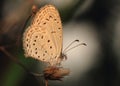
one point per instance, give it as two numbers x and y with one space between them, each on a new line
48 17
35 41
47 26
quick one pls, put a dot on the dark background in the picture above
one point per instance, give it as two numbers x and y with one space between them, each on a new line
104 14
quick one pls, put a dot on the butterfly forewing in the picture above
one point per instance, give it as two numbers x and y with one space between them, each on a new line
43 39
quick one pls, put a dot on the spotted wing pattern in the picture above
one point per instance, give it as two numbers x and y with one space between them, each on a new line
42 40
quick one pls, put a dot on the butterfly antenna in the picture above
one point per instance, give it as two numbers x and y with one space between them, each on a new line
76 46
70 45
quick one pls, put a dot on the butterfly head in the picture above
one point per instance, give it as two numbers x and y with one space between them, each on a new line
63 56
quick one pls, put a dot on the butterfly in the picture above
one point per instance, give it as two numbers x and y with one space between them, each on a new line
43 40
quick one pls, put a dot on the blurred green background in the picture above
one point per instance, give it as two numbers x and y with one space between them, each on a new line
95 22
